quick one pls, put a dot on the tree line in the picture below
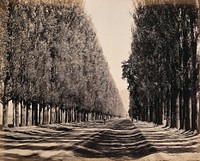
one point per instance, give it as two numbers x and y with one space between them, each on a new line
163 68
53 68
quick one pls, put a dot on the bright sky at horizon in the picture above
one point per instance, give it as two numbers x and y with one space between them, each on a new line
112 21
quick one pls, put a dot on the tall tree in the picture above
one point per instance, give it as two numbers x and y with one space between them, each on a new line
162 68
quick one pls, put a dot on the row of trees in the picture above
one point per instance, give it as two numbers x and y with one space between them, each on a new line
53 61
163 68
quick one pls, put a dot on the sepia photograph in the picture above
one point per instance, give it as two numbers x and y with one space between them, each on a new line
100 80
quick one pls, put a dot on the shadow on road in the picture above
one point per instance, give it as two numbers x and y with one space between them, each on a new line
117 139
169 140
122 140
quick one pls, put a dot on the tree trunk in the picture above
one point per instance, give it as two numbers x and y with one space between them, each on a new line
16 106
69 115
86 116
97 116
186 111
161 114
93 116
48 114
145 111
160 104
5 114
55 115
168 112
194 113
28 114
156 111
148 114
73 115
52 110
34 113
198 128
13 117
23 114
62 116
59 115
151 112
101 116
81 113
41 114
194 77
181 112
174 106
45 115
76 115
89 116
186 81
66 116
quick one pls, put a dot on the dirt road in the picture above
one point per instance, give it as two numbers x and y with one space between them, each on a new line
116 140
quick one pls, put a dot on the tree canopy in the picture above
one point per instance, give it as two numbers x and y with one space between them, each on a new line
53 57
162 70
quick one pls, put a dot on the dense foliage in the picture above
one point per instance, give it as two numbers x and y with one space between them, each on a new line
162 70
53 61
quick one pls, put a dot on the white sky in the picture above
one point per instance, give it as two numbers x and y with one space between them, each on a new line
112 20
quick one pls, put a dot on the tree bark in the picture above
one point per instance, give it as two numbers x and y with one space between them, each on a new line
16 106
69 115
63 115
174 106
5 114
66 116
86 116
41 114
28 114
89 116
13 115
34 113
181 121
151 111
194 76
55 114
76 115
93 116
168 110
23 114
59 115
73 115
50 114
45 115
186 64
198 128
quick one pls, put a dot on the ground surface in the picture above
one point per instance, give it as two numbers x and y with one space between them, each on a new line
91 141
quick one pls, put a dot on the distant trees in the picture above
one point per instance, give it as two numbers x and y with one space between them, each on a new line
54 68
162 70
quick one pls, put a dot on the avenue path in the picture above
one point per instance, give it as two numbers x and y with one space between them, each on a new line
116 140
